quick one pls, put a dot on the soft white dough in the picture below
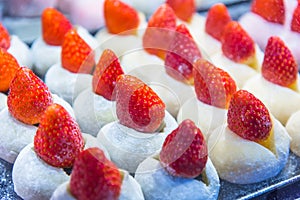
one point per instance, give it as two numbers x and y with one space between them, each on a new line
252 22
147 7
281 101
151 70
122 44
33 178
63 192
93 111
14 136
87 13
3 101
130 190
44 56
20 51
91 141
205 116
63 103
208 45
128 147
135 61
293 128
66 84
158 184
239 72
242 161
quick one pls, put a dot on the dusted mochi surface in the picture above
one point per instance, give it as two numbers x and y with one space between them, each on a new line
281 101
45 55
66 84
122 44
93 111
205 116
130 190
147 7
293 128
238 71
14 136
128 147
87 13
158 184
20 51
3 101
260 29
242 161
35 179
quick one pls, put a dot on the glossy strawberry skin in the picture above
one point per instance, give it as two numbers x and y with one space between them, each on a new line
213 85
120 18
216 20
295 24
184 152
279 65
4 37
137 105
76 55
184 9
105 75
270 10
58 140
237 45
28 97
8 69
54 26
95 177
248 117
181 55
160 31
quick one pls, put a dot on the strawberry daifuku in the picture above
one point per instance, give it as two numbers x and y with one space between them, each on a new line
253 146
182 163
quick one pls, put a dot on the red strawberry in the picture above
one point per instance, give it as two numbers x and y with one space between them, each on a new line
28 97
54 26
8 69
182 52
160 31
248 117
237 45
58 140
213 85
95 177
106 73
137 105
76 55
217 18
295 24
184 9
120 18
270 10
4 38
184 152
279 65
